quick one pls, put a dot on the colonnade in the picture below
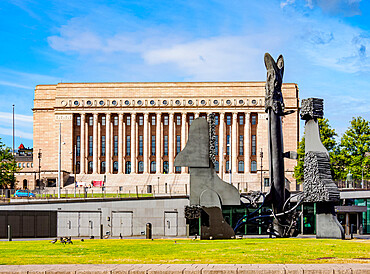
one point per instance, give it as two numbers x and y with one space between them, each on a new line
128 133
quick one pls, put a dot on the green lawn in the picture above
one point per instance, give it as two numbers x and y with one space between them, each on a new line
245 251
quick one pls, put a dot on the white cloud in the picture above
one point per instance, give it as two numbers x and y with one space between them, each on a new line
223 58
18 133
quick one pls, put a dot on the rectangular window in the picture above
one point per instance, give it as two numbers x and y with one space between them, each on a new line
78 145
128 145
103 121
254 119
216 120
241 145
141 120
90 146
165 152
253 144
178 120
178 144
191 119
141 145
103 146
216 144
153 120
78 120
91 121
165 120
241 120
227 144
128 120
228 120
115 148
153 145
115 120
266 182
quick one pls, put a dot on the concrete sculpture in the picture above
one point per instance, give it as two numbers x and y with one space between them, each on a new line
318 186
207 191
274 106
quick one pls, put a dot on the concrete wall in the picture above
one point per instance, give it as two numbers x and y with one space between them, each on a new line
165 214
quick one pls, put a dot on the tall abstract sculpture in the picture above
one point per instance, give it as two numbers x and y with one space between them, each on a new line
207 191
318 186
274 106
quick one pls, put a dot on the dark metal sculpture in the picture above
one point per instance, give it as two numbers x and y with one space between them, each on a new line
207 191
274 106
318 185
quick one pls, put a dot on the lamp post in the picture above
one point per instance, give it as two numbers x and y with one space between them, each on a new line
59 158
229 146
39 156
13 178
75 168
261 155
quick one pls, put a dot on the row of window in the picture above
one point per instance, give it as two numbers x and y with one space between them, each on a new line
24 164
165 120
165 169
153 145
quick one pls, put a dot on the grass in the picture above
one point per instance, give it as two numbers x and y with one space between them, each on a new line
176 251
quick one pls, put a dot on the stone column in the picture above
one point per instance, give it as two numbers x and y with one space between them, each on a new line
133 143
120 154
124 144
247 137
183 136
234 144
170 143
221 144
158 144
146 143
107 143
95 144
83 144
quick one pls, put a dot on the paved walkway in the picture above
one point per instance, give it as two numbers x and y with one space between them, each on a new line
191 268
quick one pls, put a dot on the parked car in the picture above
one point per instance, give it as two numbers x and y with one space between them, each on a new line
23 193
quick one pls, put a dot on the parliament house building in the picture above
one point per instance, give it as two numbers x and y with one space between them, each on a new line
127 135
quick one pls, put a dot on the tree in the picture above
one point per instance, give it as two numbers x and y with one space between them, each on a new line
8 166
327 136
353 145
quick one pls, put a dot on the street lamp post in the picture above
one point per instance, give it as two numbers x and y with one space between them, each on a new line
261 155
13 178
39 156
75 167
59 158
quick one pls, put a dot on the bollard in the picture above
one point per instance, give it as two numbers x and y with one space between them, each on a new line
352 225
148 231
101 231
85 192
9 233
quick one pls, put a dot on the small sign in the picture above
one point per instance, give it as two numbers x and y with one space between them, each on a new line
63 117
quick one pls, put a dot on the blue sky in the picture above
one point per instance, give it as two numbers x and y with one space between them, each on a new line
325 44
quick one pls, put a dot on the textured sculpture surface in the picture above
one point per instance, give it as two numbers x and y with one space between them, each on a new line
312 108
318 186
275 71
207 190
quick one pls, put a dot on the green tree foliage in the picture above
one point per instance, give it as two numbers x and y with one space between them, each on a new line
351 153
327 135
7 166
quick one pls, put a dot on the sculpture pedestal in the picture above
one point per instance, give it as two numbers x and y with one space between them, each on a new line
327 225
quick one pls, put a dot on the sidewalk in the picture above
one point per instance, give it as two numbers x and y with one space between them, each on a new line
191 268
